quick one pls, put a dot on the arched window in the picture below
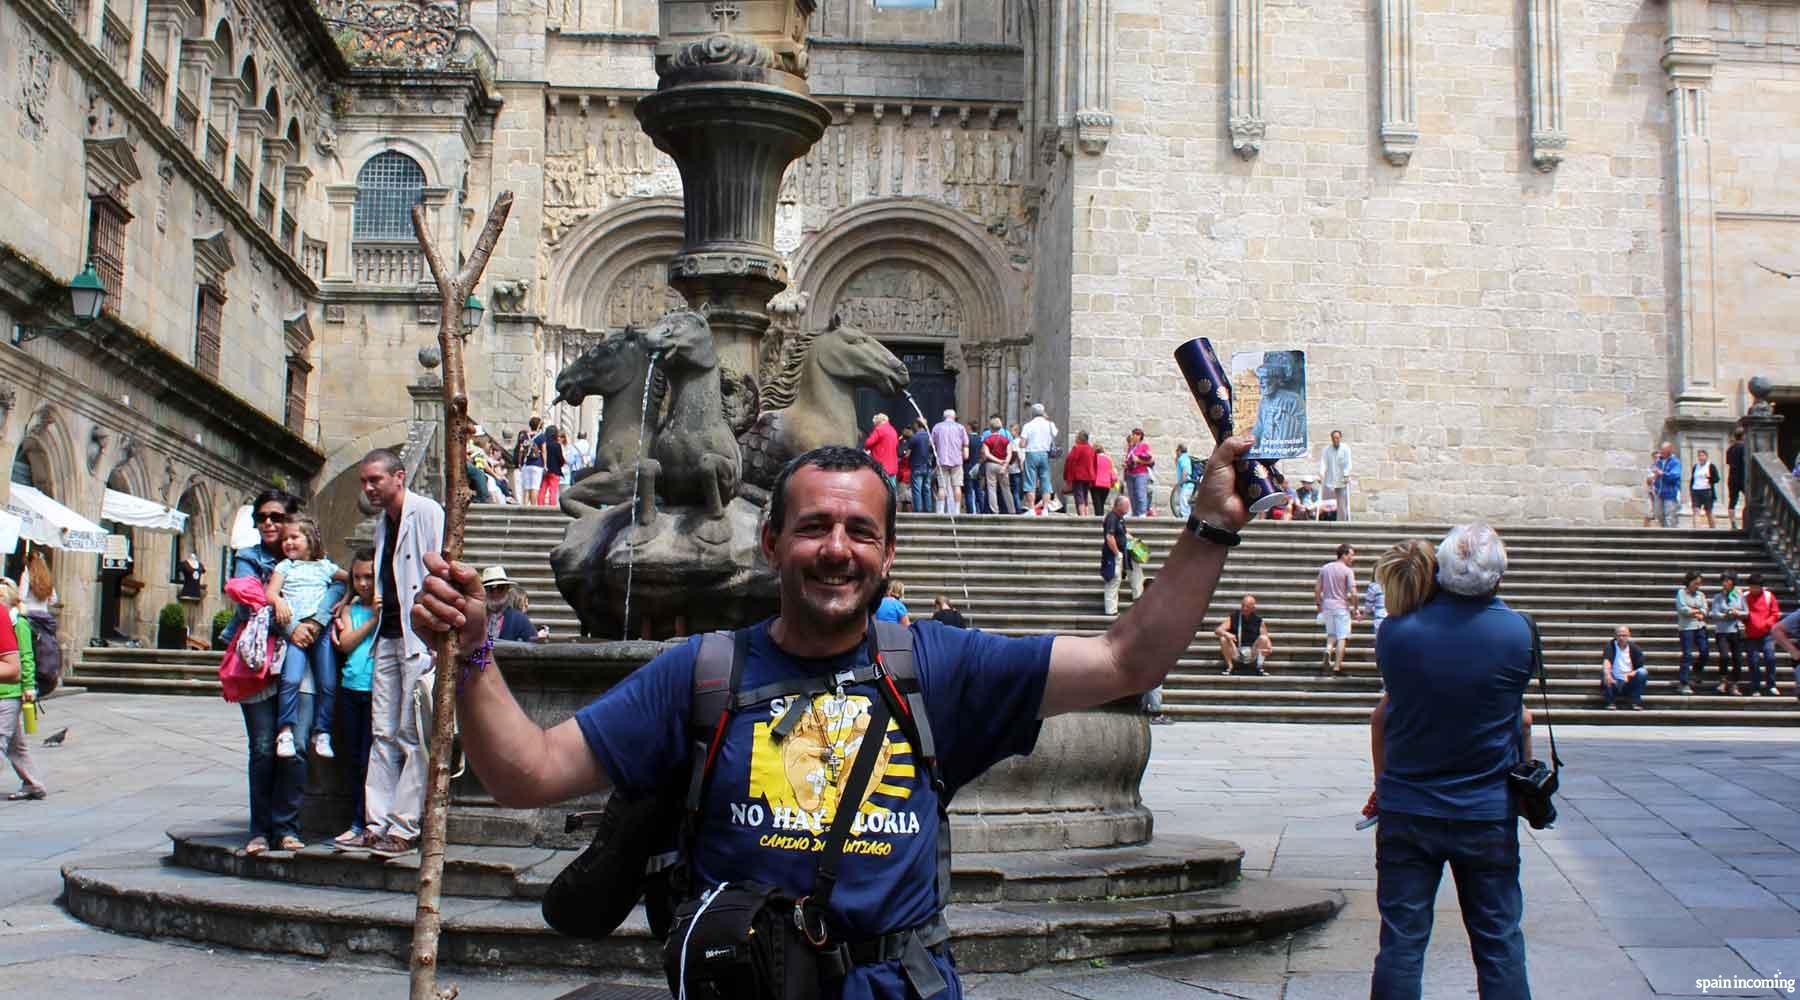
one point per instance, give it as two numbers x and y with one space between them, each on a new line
387 187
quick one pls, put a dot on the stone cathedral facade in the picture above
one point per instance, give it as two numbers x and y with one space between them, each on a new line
1521 241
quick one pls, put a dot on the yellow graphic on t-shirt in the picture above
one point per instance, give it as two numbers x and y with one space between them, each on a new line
803 777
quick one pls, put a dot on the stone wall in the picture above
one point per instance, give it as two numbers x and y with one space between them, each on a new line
1492 338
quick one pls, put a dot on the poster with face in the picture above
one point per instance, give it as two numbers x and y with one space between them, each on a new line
1268 391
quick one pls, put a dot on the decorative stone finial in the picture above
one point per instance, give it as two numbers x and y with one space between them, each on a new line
430 357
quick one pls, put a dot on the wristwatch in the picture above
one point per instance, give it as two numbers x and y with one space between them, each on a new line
1208 532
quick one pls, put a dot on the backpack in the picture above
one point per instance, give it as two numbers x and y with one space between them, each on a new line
47 653
630 857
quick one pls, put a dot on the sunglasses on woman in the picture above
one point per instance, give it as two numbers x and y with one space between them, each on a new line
268 517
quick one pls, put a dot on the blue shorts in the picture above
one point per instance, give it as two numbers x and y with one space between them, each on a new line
1037 470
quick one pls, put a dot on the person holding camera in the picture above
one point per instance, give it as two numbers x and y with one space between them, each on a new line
829 538
1456 670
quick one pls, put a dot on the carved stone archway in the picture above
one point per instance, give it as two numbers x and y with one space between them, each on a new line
612 268
912 273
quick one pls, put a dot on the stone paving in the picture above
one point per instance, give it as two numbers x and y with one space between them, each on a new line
1676 861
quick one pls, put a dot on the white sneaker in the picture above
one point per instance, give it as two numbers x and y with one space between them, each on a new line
322 746
284 746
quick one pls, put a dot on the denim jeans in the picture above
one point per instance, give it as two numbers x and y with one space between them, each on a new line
1731 654
1037 472
1761 678
1668 511
1693 640
1632 689
320 659
1139 485
921 490
277 787
356 726
1184 501
1410 852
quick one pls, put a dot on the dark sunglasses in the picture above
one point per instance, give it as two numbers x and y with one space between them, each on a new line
268 517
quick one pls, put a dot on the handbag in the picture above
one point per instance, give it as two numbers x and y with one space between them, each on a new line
238 681
1533 784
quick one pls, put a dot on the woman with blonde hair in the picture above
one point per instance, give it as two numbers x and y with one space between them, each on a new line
16 694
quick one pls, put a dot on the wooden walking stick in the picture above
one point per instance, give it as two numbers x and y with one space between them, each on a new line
453 291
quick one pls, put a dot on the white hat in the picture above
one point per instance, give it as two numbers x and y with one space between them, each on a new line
495 576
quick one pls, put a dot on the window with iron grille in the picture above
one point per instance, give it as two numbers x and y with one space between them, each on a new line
387 187
106 245
296 394
209 316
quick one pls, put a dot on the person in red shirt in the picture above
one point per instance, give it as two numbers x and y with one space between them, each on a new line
1078 472
883 445
1759 637
996 454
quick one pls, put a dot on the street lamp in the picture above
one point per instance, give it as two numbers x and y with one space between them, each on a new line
86 298
472 315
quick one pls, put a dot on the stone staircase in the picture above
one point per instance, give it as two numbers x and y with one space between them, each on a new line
1025 575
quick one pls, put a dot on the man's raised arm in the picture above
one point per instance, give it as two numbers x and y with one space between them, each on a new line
1144 643
520 763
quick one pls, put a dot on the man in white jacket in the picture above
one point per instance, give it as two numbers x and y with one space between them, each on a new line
410 527
1334 473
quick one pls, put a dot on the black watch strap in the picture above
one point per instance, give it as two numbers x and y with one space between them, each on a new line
1207 532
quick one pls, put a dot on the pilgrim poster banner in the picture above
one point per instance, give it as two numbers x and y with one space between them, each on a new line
1268 389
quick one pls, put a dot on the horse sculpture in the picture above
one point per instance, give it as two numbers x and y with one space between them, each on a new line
694 461
617 369
811 402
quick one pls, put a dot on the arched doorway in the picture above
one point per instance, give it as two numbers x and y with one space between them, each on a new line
195 537
117 585
917 316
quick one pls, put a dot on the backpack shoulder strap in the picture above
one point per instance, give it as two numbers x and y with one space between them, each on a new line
717 669
894 641
894 644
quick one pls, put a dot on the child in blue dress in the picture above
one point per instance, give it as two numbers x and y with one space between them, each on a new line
297 590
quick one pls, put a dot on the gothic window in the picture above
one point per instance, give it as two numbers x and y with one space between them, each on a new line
106 245
387 187
209 315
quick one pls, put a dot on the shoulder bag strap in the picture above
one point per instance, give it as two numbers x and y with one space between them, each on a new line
902 679
1537 667
811 910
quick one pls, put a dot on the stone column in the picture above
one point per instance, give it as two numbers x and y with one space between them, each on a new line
1543 34
1399 111
1244 114
1688 58
1093 113
342 200
200 53
733 109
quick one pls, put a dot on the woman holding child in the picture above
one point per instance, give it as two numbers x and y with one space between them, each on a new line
277 785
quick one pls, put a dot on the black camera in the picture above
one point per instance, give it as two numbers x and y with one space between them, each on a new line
1532 784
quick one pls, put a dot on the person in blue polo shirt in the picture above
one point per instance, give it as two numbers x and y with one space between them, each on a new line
1456 671
829 538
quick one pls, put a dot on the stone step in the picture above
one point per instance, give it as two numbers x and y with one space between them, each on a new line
1170 864
140 894
1359 715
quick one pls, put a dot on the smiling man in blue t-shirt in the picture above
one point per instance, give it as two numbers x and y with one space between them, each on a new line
829 537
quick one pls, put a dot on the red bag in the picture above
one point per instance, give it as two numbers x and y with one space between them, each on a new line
237 681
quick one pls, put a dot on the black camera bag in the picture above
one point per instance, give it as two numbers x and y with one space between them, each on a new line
1531 782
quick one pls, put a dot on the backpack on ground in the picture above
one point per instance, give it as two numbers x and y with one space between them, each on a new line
637 850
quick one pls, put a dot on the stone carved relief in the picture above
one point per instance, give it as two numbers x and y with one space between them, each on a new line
595 153
640 296
972 159
165 175
36 62
897 300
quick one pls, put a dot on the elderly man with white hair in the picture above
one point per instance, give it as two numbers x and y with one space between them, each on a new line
1456 671
950 442
1038 438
